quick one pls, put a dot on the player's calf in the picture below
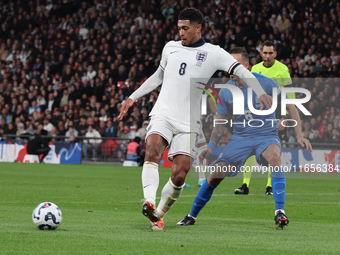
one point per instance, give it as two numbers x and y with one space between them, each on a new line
180 168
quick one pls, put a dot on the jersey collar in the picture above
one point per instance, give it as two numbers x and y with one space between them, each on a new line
270 66
199 43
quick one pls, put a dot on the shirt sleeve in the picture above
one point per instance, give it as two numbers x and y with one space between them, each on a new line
164 59
224 61
223 109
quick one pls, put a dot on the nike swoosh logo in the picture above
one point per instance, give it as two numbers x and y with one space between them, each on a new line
146 186
173 52
279 192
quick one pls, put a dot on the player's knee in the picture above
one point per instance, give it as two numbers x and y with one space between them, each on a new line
274 159
178 179
153 154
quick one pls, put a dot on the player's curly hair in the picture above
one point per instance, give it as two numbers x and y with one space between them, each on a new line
191 14
239 50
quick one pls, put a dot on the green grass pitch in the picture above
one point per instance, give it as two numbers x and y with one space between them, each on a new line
101 208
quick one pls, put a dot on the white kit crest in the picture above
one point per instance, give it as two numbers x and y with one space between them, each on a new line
201 56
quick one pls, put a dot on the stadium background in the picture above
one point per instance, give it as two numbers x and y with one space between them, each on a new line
47 49
73 63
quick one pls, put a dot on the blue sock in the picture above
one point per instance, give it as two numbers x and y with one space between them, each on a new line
204 194
279 189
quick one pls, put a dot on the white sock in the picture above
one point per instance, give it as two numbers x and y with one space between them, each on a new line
150 181
203 167
202 170
170 193
277 211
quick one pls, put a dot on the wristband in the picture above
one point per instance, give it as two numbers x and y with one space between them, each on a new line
211 145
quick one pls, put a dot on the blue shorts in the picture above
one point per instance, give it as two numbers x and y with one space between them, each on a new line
239 149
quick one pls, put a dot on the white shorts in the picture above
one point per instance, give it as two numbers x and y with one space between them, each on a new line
178 135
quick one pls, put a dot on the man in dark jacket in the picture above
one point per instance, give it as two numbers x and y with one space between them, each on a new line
37 145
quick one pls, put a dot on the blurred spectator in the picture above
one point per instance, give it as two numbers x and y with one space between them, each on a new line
11 129
47 125
313 124
2 134
91 143
73 139
323 127
331 115
71 131
54 133
101 128
20 130
142 130
99 52
124 133
316 137
134 131
64 98
110 130
327 135
283 23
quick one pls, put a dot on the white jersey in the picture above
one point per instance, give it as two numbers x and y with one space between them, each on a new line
179 100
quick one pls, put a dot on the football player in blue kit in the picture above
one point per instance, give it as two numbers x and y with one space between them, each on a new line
259 138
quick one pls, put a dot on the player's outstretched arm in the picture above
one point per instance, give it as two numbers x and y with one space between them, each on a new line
215 137
149 85
252 82
224 61
298 130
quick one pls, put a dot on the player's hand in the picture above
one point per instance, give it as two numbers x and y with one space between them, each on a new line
205 154
279 125
125 107
266 100
304 142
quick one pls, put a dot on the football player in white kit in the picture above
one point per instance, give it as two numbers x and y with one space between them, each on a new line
175 118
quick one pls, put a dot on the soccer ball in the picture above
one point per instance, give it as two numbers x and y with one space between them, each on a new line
47 216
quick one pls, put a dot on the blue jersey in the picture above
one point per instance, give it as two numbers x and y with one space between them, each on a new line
252 128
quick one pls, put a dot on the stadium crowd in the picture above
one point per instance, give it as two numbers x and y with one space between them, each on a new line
67 65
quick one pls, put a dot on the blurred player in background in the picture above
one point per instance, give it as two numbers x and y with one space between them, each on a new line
262 141
279 72
175 118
